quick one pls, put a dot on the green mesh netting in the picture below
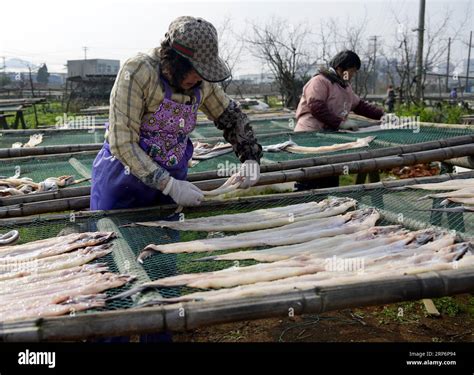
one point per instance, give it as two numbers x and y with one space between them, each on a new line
75 137
398 207
57 165
206 130
39 169
259 127
385 138
67 137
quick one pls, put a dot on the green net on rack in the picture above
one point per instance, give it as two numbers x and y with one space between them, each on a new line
39 169
397 206
56 165
385 138
96 135
259 127
56 138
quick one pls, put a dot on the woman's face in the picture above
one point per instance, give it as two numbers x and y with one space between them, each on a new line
190 80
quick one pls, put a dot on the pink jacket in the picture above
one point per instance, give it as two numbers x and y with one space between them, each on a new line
340 101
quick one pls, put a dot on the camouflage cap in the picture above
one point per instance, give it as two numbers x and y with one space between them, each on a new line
196 40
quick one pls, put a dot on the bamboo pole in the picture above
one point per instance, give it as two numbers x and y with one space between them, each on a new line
17 152
68 192
444 126
80 168
51 131
465 162
192 315
56 205
125 260
48 157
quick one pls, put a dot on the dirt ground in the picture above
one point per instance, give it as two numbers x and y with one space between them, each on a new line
404 322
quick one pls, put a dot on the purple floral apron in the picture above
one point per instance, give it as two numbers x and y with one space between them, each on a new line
164 136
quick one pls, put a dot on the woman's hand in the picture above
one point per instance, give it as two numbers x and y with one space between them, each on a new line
184 193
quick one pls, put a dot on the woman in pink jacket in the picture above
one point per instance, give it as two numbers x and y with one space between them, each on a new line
326 102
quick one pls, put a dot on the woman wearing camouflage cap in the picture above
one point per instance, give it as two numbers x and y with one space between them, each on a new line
153 110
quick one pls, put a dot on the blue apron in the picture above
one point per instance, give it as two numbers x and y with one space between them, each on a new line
164 135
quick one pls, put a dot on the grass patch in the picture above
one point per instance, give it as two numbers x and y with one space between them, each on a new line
448 306
405 313
274 102
47 114
447 114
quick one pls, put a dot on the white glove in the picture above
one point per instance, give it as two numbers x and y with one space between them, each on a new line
183 193
249 174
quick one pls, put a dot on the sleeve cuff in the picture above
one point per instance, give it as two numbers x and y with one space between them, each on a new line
158 179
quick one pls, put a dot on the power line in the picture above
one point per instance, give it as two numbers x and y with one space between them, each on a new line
85 52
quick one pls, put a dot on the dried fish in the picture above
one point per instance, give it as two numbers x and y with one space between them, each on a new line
17 186
456 184
55 246
34 140
205 151
466 201
292 147
51 276
449 258
289 234
262 218
228 186
9 238
376 236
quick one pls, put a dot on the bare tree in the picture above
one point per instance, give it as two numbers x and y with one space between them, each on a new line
406 63
437 33
403 49
231 47
333 39
281 46
356 39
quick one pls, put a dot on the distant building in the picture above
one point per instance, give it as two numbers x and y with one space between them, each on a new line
92 67
257 78
91 80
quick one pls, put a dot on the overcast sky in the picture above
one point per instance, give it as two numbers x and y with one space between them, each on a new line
54 31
